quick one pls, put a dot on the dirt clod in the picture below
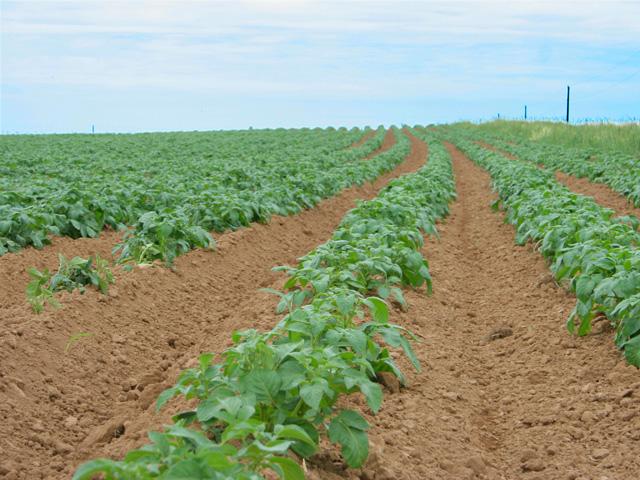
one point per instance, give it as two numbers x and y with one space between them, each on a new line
528 454
477 465
149 395
535 465
600 453
390 381
499 332
70 422
453 396
104 433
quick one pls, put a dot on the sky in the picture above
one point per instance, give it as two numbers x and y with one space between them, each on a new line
154 65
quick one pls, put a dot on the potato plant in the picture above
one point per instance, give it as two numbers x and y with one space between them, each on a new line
193 182
594 253
271 396
72 274
619 171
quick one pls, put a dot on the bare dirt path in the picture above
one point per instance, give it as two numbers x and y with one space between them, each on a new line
388 142
64 402
363 139
603 194
505 392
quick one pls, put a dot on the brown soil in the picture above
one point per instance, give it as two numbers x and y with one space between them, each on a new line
388 141
367 136
505 391
47 257
601 193
13 268
64 402
496 149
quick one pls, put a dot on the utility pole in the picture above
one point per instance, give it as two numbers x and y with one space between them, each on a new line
568 92
525 112
93 129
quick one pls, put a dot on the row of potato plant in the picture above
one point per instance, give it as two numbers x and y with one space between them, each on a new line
161 236
620 171
165 234
190 182
271 396
591 251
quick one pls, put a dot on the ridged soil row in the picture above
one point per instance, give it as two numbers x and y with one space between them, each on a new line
601 193
361 141
65 401
388 141
505 392
14 266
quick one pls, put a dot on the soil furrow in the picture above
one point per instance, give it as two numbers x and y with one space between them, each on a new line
388 142
601 193
65 401
15 265
363 139
505 391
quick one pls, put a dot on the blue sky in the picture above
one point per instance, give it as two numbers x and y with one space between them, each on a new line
149 65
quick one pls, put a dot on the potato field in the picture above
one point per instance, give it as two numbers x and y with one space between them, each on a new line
431 302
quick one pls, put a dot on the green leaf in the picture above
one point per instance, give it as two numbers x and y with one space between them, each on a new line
294 432
632 351
218 460
584 287
585 325
188 469
384 292
291 374
196 437
5 226
164 397
348 429
393 336
312 394
265 384
204 360
286 468
165 230
357 339
321 284
208 409
88 470
302 448
373 393
571 326
345 304
161 442
378 308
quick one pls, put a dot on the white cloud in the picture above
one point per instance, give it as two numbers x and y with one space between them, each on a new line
587 19
372 48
